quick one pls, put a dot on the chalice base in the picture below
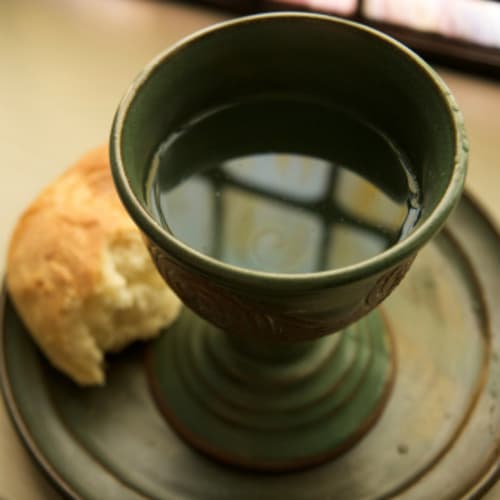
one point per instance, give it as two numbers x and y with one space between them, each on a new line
270 405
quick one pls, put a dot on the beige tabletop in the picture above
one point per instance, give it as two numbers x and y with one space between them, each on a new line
64 66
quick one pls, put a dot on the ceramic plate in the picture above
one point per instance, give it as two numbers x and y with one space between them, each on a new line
439 435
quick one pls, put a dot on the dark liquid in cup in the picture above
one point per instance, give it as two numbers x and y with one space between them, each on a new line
283 185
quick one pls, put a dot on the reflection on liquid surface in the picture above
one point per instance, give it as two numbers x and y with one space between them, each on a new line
284 212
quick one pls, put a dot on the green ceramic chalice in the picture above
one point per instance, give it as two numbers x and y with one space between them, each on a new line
269 369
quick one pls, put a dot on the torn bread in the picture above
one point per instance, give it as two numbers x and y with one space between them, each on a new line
79 273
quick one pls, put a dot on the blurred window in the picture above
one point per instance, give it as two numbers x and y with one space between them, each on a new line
476 21
341 7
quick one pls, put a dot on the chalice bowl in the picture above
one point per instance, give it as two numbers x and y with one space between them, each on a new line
285 170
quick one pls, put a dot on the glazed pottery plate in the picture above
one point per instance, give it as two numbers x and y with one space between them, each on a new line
438 437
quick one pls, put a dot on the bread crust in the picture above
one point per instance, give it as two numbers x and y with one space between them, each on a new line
54 263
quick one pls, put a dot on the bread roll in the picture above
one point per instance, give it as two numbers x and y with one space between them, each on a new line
79 273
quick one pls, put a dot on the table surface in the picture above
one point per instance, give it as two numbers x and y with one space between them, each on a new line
66 64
